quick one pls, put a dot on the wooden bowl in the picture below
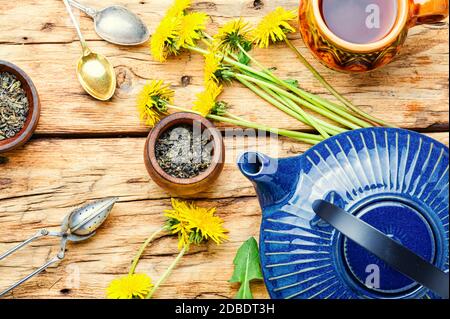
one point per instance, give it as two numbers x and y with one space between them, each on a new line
34 108
181 186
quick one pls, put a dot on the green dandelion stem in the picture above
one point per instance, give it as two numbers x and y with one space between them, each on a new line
182 109
311 98
323 103
206 42
330 128
236 120
252 59
300 136
142 249
303 102
314 99
300 115
168 271
332 90
320 102
316 74
231 62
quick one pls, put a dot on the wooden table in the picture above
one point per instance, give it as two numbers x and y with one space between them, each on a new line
84 149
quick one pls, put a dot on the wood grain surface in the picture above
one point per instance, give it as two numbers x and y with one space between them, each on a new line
86 149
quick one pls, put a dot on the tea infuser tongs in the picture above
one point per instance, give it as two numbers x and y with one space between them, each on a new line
79 225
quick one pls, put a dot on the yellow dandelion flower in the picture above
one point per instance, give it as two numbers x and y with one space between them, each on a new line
274 26
163 42
190 29
201 222
232 35
177 225
178 8
204 224
212 66
135 286
152 101
206 100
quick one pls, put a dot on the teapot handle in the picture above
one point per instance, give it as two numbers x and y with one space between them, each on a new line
385 248
430 11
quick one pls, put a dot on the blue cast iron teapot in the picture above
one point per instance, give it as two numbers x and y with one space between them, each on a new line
393 182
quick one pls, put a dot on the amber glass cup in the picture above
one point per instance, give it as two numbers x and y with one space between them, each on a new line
347 56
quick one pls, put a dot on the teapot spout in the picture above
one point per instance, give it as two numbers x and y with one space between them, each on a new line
273 179
255 165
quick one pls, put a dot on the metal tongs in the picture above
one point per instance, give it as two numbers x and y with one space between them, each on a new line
79 225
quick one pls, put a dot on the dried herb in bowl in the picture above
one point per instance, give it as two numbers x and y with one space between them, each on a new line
184 151
14 106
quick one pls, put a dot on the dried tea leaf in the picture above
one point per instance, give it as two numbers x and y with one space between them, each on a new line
183 152
13 106
247 268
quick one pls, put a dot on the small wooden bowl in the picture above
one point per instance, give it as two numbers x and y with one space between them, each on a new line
34 108
182 186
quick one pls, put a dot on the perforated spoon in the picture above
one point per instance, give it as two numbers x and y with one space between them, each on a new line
79 225
116 24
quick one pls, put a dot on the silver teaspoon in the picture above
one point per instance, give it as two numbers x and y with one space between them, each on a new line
116 24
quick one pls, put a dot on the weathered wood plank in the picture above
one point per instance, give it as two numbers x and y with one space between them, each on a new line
58 170
412 92
90 266
41 183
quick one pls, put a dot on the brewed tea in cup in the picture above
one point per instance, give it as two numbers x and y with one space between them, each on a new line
360 21
362 35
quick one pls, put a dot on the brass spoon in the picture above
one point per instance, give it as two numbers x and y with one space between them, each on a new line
94 71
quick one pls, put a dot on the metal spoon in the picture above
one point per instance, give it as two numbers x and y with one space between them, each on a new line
94 71
116 24
79 225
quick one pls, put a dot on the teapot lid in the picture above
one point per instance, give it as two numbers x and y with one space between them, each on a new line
405 223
